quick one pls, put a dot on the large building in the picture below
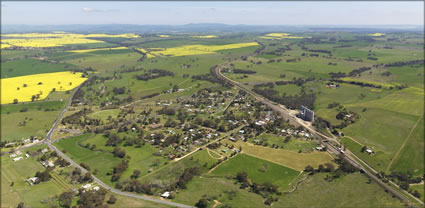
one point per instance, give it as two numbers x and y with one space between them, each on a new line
306 114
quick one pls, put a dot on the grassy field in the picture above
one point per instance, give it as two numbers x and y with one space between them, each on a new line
30 66
259 171
288 158
37 123
293 144
343 192
101 161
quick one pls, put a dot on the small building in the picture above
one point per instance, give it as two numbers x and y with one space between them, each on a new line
232 139
44 150
27 155
166 194
12 155
320 148
155 126
32 180
87 186
96 188
17 159
369 151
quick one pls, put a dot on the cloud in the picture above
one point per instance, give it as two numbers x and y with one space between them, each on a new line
91 10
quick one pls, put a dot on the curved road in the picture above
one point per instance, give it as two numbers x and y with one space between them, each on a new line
49 142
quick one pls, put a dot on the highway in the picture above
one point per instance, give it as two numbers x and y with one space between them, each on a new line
330 147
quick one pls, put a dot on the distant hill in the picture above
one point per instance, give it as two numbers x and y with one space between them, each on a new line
206 28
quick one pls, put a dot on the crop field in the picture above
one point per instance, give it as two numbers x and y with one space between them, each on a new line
187 50
23 88
44 40
97 49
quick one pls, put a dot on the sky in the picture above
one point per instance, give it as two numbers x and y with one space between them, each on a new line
234 12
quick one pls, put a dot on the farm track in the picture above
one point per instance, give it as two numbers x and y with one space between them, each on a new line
404 144
330 147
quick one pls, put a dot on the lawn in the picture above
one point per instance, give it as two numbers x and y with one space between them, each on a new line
259 171
293 144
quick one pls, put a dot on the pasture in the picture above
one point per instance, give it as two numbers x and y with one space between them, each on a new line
259 171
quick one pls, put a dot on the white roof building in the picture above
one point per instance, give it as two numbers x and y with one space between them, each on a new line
166 194
17 159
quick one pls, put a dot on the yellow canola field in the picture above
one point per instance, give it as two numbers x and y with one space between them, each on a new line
205 36
280 36
377 34
97 49
148 55
42 40
4 45
187 50
164 36
42 84
69 35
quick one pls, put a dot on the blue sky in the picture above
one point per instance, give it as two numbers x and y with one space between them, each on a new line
237 12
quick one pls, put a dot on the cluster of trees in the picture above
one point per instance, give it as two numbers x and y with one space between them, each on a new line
363 84
42 176
402 179
243 71
154 73
135 186
76 118
119 90
118 152
150 95
186 176
207 77
405 63
119 169
353 73
298 81
77 177
167 111
266 190
292 102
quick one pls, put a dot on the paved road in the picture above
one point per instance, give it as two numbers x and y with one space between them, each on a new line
49 142
116 191
330 147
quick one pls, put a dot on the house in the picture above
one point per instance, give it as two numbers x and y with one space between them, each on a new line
12 155
32 180
18 158
86 186
166 194
47 164
241 131
44 150
96 188
232 139
320 148
369 151
155 126
27 155
35 141
27 140
259 123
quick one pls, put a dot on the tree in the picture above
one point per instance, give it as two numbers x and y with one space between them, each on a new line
15 101
308 169
202 203
363 149
20 205
65 199
136 174
112 199
242 177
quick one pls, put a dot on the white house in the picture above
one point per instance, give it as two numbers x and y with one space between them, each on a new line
18 158
12 155
166 194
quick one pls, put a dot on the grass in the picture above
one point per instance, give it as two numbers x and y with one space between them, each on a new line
288 158
420 188
30 66
293 144
37 124
210 186
21 191
104 114
259 171
343 192
102 161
